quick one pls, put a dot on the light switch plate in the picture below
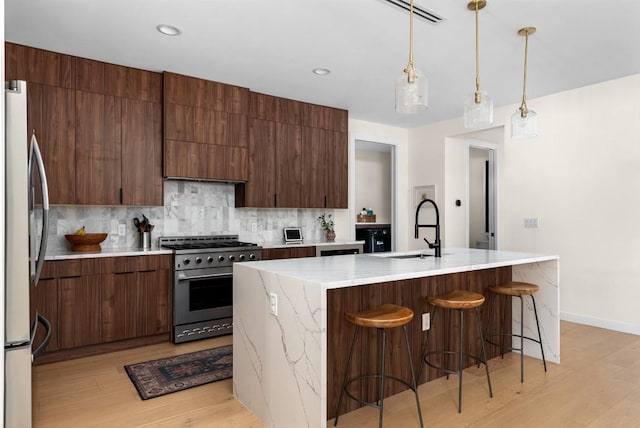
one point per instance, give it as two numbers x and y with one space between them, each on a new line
531 223
122 229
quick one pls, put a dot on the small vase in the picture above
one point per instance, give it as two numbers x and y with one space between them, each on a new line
331 235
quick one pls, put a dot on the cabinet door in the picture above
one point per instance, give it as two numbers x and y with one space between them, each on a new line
314 158
39 66
288 170
260 188
79 311
98 149
288 253
337 170
135 304
142 181
51 113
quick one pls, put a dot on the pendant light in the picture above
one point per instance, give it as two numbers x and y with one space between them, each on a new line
524 122
411 86
478 107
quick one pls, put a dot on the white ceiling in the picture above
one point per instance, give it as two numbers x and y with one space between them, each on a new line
271 46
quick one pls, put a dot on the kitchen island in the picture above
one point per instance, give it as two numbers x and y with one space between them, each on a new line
289 355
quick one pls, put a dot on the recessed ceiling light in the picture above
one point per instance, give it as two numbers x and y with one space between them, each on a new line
321 71
168 30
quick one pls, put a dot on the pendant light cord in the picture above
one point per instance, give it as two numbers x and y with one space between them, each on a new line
411 75
478 98
523 106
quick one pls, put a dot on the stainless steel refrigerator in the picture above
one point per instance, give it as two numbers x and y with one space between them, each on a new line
26 205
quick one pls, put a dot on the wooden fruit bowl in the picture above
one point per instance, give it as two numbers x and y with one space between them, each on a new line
87 242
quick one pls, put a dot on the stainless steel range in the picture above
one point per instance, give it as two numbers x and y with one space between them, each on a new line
203 283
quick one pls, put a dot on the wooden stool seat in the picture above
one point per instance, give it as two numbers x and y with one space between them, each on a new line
515 288
385 316
457 299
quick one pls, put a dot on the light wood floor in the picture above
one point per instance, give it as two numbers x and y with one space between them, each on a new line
597 384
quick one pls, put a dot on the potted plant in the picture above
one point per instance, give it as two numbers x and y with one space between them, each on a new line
327 224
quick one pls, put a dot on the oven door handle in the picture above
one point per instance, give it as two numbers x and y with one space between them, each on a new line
183 277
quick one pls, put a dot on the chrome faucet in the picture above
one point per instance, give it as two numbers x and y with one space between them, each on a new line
437 245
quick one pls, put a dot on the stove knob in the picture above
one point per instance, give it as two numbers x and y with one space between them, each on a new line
232 258
186 261
209 259
252 256
221 258
241 257
198 260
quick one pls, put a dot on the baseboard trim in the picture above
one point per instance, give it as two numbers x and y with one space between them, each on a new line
597 322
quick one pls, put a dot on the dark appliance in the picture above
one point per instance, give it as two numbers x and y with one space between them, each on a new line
203 283
376 240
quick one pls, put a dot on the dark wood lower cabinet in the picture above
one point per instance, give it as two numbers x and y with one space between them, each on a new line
288 253
135 304
79 311
409 293
104 304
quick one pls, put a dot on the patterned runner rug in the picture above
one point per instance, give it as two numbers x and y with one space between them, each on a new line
166 375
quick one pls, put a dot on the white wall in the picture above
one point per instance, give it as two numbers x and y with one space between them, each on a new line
398 137
373 183
580 177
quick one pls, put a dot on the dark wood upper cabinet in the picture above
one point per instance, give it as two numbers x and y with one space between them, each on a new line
314 167
311 155
98 149
99 126
51 114
289 166
142 181
337 187
132 83
39 66
206 129
90 75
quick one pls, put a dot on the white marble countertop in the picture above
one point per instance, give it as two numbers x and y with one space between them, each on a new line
106 252
350 270
307 243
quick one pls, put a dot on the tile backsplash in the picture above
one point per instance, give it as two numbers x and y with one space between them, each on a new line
190 208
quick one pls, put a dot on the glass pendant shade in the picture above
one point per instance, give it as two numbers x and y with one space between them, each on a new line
411 97
478 114
524 127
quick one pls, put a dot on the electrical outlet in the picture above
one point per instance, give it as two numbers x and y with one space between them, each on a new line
122 229
426 321
531 223
273 301
254 227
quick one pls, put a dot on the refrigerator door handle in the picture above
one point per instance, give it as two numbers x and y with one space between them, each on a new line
37 156
43 345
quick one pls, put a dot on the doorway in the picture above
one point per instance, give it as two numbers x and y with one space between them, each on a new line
375 190
482 197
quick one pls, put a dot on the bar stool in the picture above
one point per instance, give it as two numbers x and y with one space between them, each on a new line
382 318
514 289
460 301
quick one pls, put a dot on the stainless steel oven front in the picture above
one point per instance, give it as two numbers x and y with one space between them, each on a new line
202 304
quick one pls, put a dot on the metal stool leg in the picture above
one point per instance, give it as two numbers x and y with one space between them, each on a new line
506 301
447 345
346 373
460 351
535 312
521 340
413 376
384 343
484 353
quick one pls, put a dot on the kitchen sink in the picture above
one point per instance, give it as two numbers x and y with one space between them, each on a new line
411 256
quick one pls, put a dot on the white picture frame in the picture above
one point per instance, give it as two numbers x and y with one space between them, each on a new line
423 192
